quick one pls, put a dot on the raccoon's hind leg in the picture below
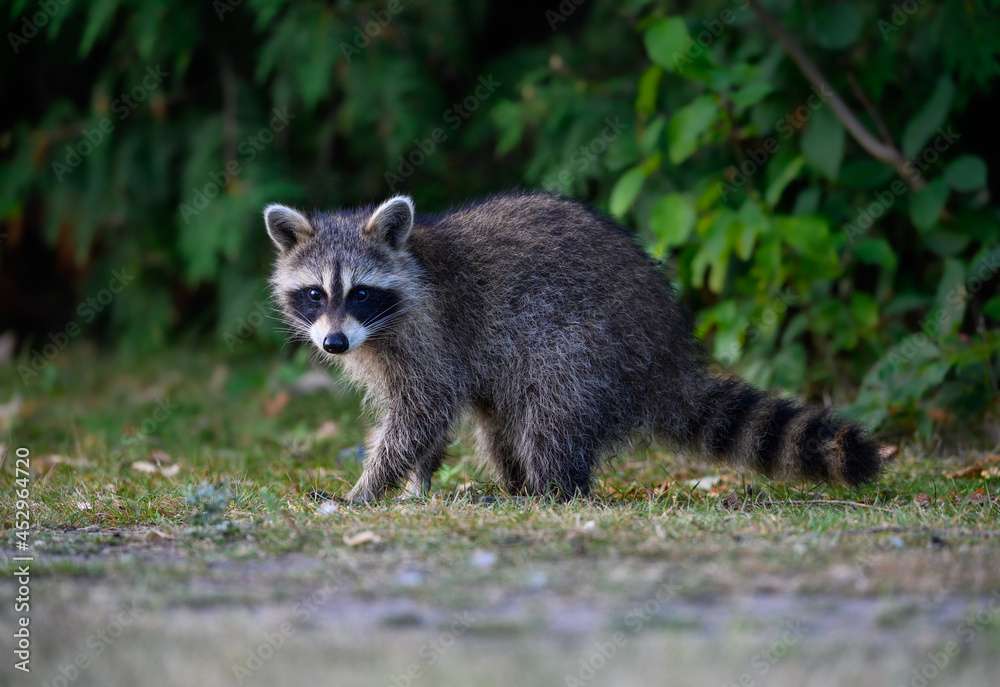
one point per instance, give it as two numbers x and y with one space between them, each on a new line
558 458
495 444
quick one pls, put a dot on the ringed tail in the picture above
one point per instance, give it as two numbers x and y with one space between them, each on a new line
732 421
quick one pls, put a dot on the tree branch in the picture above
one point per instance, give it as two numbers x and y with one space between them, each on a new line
884 152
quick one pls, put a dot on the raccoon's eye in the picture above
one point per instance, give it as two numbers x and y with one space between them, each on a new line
315 295
359 295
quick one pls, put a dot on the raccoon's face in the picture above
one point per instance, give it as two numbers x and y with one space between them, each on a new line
340 277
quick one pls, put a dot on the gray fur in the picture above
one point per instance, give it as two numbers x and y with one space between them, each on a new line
556 330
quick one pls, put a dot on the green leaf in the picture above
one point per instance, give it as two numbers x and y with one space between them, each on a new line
713 252
650 137
649 87
687 125
949 303
98 21
837 25
927 203
930 118
782 179
668 42
875 251
946 243
808 234
864 309
509 119
751 94
626 190
671 219
966 174
823 143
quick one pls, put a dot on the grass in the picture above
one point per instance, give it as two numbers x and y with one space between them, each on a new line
201 481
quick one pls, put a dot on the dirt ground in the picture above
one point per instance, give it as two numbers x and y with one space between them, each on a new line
129 607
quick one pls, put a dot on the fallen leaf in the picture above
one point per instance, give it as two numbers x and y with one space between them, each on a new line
273 406
42 465
160 457
146 467
362 538
887 452
922 499
327 430
940 415
986 468
170 470
662 488
154 536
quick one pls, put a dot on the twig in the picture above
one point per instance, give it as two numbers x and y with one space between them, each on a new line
883 152
860 94
835 502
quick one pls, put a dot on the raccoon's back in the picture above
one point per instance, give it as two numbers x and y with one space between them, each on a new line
538 274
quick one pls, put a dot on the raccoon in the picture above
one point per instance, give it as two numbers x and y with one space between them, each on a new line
549 323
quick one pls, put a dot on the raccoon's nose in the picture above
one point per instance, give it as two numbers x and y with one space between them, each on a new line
335 343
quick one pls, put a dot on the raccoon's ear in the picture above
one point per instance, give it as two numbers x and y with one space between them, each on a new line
391 222
286 226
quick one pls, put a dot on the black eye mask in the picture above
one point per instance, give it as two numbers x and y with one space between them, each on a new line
369 310
305 308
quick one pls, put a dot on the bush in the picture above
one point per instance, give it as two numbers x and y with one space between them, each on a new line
812 262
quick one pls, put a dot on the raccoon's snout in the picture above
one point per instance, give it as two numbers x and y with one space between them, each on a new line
335 343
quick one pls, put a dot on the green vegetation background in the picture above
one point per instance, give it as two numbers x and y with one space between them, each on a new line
141 140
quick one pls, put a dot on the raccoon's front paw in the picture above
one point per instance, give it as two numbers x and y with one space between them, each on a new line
360 496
